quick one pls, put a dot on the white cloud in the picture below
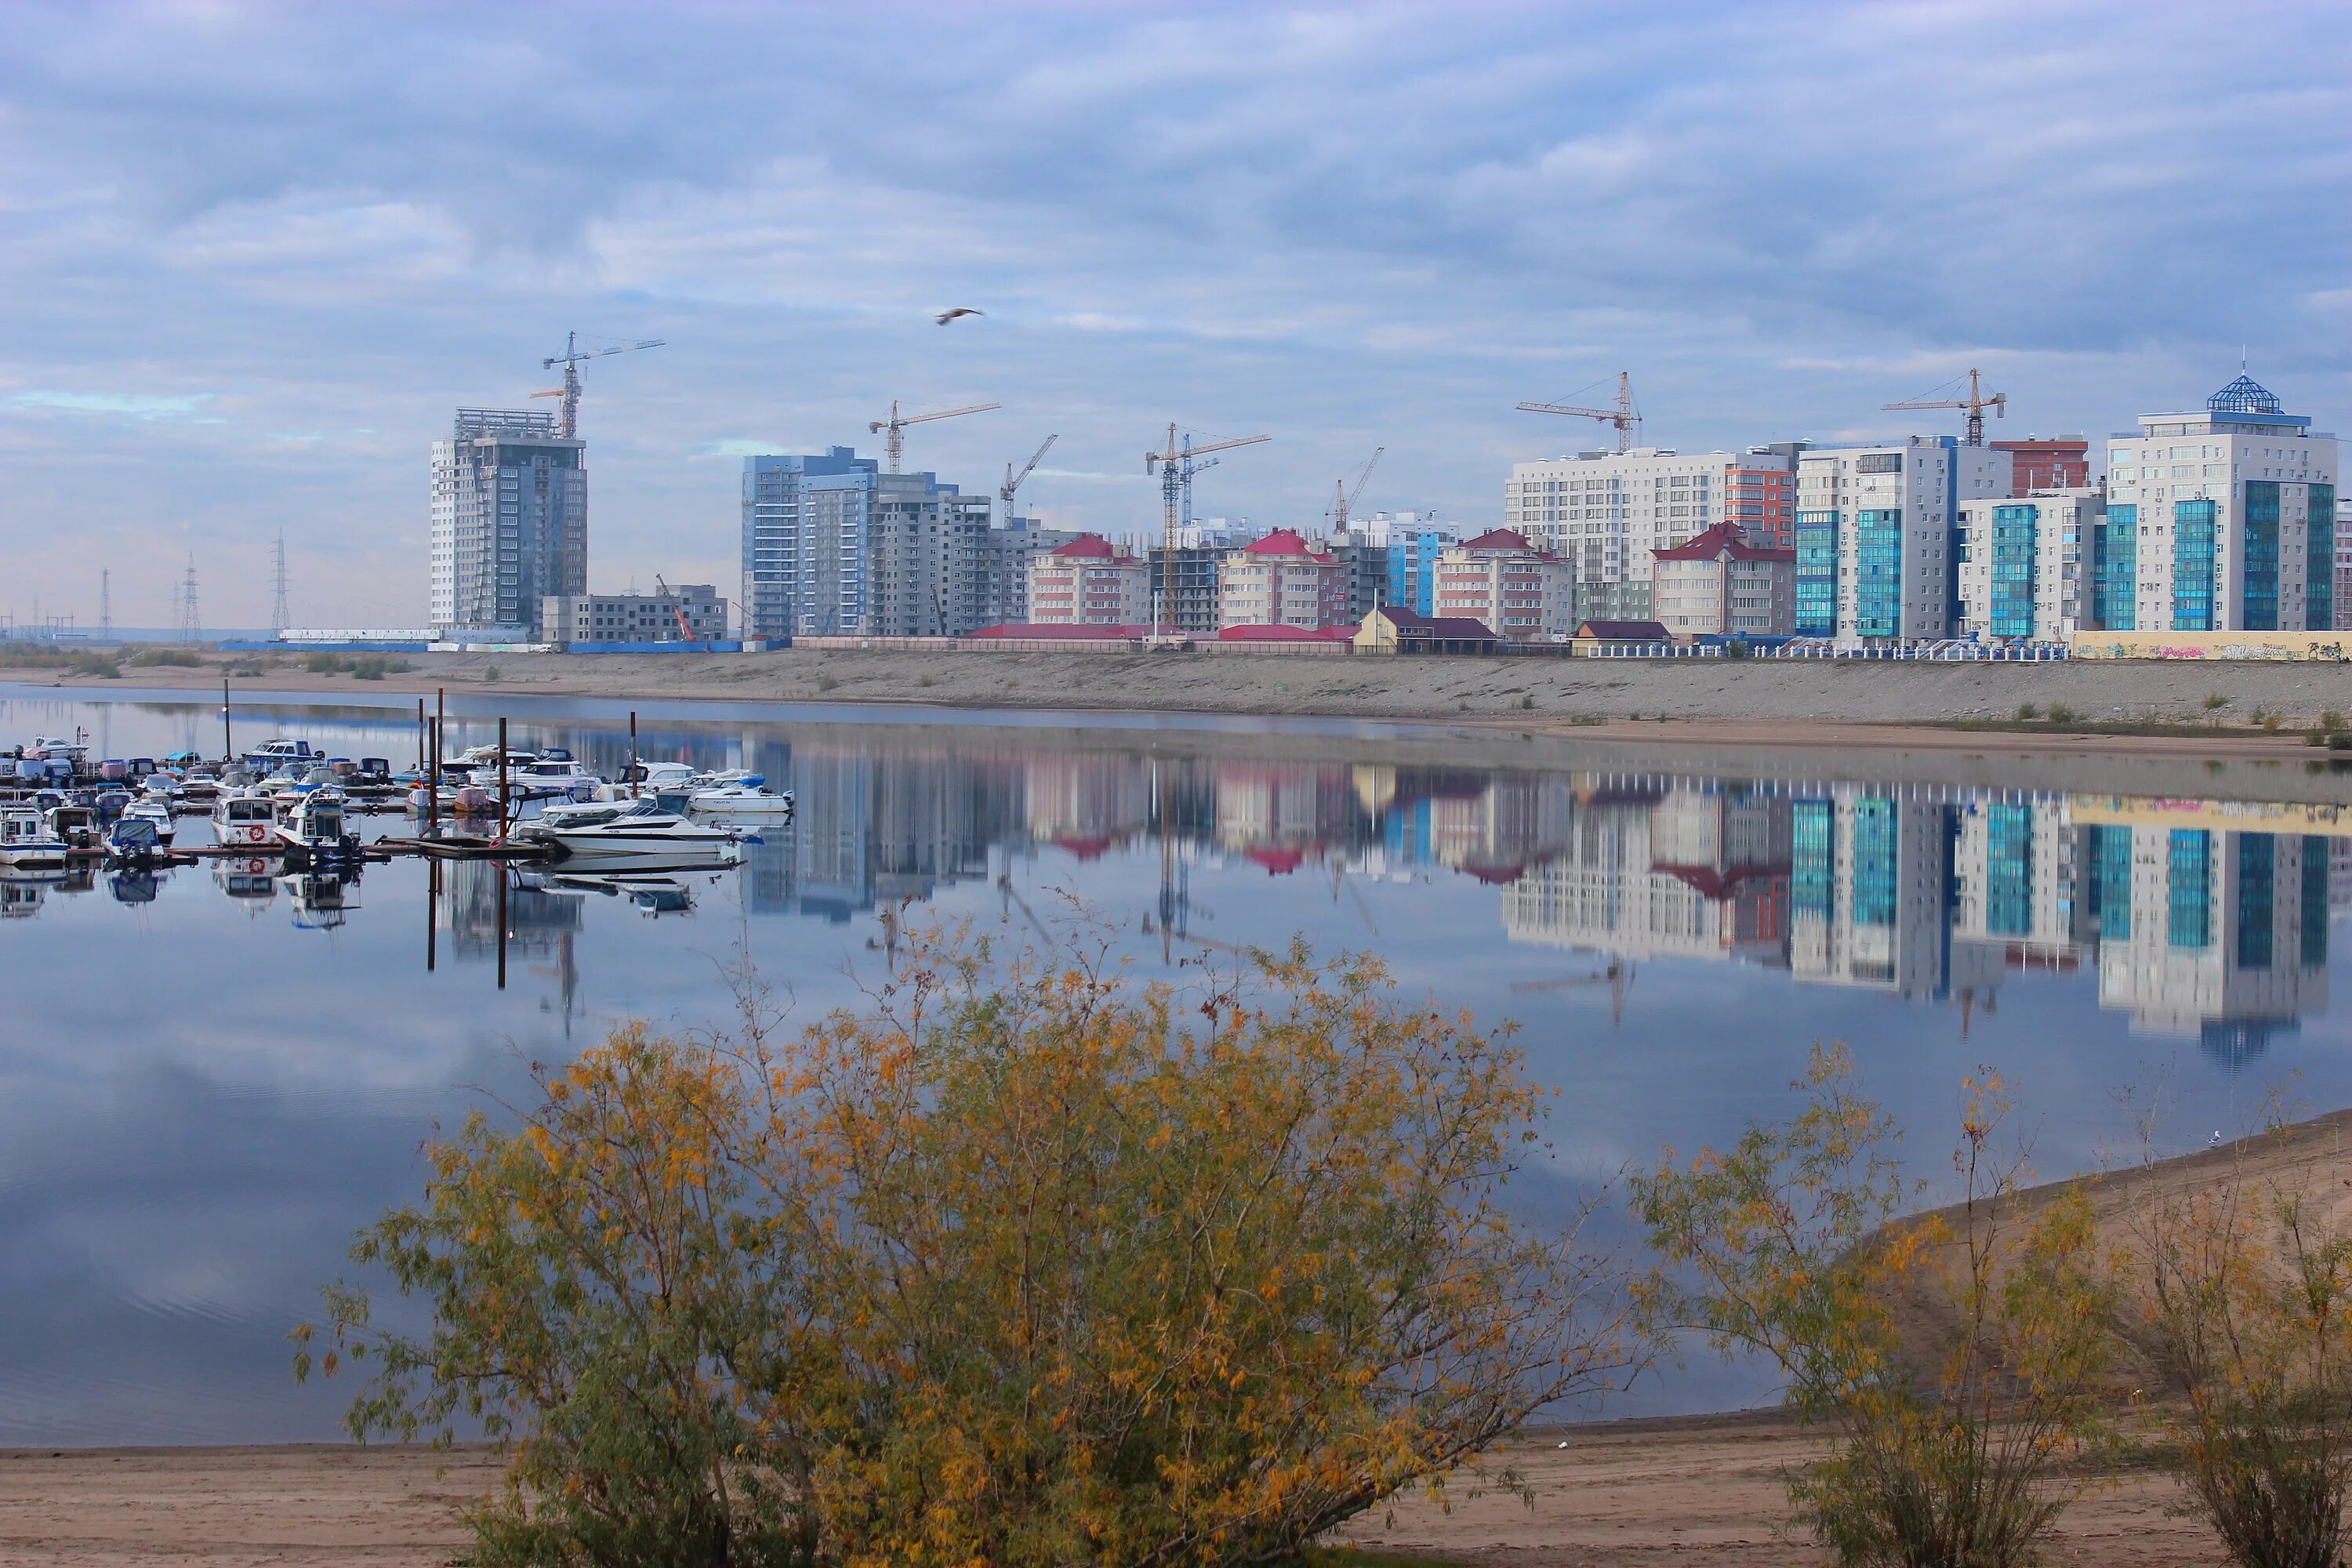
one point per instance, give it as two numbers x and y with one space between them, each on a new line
119 404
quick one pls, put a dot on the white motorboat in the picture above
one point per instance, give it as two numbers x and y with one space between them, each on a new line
747 794
27 842
77 827
642 830
245 819
151 810
296 755
315 831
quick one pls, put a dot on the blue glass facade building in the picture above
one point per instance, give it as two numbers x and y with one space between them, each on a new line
2193 562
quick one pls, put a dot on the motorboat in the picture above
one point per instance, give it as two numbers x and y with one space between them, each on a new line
643 830
661 775
368 776
547 778
152 812
575 814
134 840
199 785
655 895
272 755
111 802
747 795
315 831
29 842
78 827
135 884
310 780
245 819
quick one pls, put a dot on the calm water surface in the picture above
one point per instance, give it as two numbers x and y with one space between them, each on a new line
210 1078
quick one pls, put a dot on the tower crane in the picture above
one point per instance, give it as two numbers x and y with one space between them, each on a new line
1173 467
1626 417
894 444
570 358
1190 468
1013 482
1976 403
1343 497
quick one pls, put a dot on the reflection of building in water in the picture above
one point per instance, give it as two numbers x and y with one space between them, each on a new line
539 919
870 826
1280 814
2016 872
1868 882
1682 872
2220 935
1087 803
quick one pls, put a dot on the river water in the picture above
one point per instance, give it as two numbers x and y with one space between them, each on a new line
210 1078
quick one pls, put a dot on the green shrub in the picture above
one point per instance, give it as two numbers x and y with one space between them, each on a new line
2215 699
321 663
2060 714
2329 718
489 672
95 664
2027 713
368 667
184 658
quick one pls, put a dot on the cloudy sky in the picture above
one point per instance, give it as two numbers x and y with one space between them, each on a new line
255 254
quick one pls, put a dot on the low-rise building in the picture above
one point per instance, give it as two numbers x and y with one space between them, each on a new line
1719 585
1393 629
691 612
1521 594
1086 583
1282 580
2025 565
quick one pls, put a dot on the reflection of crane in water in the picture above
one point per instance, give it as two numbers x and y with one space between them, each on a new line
1339 875
1011 895
1618 976
894 919
565 972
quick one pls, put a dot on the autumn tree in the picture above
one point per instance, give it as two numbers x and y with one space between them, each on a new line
1021 1263
2238 1287
1801 1243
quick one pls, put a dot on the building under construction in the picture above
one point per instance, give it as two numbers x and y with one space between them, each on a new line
510 522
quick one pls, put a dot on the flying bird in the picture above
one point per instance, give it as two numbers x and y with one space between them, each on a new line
947 316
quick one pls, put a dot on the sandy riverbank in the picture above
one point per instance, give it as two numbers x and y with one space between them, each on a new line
1749 702
1615 1495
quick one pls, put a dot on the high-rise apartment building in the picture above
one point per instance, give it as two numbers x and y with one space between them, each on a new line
1877 536
832 546
2221 521
510 522
1010 550
1608 513
1410 542
2025 565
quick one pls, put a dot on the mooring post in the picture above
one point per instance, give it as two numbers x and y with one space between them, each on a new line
228 746
503 825
633 754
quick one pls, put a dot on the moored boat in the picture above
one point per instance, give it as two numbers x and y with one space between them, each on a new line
245 819
27 841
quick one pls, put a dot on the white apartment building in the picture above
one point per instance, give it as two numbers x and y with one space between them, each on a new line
1877 543
1282 580
1607 513
1520 593
1086 583
2025 565
510 521
1718 584
2221 521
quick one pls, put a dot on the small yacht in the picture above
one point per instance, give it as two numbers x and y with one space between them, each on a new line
245 819
27 842
314 831
546 778
271 755
643 830
744 795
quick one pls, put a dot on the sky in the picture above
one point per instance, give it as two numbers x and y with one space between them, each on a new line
255 255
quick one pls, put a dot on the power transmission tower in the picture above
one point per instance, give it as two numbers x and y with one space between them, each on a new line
105 606
191 625
281 619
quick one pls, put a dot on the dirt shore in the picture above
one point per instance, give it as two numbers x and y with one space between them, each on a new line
1625 1494
1753 702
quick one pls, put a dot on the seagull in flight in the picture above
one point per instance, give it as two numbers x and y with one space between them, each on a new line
947 316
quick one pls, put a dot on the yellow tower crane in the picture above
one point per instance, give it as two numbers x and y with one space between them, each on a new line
1976 403
1624 416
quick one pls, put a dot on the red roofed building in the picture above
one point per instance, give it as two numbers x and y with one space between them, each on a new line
1519 592
1718 584
1282 580
1086 583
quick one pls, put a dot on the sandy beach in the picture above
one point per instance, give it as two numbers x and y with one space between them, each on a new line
1763 702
